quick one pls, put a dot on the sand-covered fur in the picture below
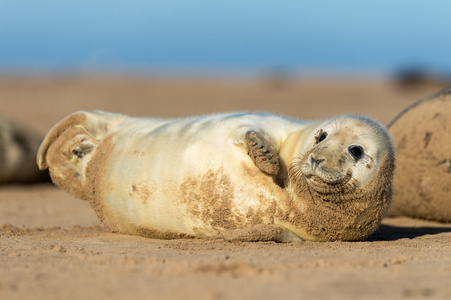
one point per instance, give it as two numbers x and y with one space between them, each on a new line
202 176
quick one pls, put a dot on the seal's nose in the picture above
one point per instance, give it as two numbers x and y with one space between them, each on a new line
315 162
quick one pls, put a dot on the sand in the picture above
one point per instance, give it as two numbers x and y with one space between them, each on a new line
52 246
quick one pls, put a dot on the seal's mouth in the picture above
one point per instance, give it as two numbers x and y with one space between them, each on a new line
333 180
342 185
323 181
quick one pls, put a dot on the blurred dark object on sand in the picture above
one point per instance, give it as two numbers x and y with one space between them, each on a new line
18 148
417 76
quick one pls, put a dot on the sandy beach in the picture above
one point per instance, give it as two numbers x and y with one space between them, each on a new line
52 245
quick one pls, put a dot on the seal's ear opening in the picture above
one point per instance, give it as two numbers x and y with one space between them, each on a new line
69 145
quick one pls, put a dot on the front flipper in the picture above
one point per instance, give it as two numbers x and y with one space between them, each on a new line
262 153
260 233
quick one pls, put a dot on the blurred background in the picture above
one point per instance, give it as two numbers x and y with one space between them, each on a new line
307 59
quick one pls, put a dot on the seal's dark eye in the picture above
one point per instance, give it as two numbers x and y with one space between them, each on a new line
356 152
322 137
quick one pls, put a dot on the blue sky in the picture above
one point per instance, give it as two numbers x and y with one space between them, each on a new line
224 36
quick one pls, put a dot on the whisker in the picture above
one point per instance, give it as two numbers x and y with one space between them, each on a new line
367 134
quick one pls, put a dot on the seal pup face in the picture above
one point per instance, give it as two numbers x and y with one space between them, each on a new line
343 178
343 153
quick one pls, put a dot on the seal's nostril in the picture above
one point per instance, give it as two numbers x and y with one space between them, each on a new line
315 162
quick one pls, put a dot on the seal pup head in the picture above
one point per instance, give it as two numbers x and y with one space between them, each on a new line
343 178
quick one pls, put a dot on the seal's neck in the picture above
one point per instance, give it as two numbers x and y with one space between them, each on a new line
291 149
349 215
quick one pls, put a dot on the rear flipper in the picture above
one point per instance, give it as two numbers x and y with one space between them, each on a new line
260 233
69 146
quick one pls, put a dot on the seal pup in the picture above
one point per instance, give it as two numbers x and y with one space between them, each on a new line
422 137
18 148
237 176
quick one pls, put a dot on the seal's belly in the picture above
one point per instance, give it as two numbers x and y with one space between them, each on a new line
195 184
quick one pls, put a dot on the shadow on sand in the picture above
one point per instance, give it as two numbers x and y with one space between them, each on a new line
393 233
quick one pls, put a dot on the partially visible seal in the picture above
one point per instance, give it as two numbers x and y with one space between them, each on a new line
422 137
237 176
18 148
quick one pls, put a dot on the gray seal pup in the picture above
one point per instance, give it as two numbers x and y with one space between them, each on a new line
237 176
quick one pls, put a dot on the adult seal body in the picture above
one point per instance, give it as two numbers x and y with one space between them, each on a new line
422 137
236 176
